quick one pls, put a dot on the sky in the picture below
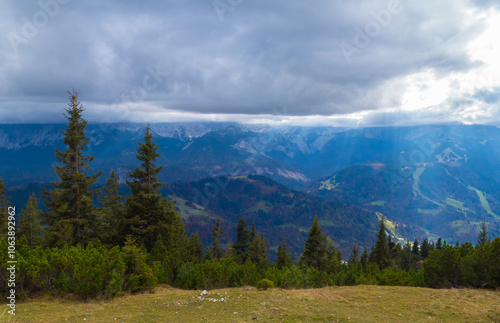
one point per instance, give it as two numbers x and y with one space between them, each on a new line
347 63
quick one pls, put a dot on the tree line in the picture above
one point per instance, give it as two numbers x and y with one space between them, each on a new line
95 242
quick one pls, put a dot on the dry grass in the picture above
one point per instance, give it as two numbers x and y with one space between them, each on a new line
337 304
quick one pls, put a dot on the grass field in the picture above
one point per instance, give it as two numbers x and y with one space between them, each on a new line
335 304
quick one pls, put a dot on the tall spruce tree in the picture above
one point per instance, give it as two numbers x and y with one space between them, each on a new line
111 210
257 248
217 233
415 251
364 258
242 244
315 252
482 237
30 224
354 258
284 258
4 204
405 259
380 253
425 249
439 244
194 249
149 214
70 214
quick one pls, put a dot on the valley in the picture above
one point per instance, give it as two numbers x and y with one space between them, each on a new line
429 181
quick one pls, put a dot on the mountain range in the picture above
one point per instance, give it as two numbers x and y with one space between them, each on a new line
426 181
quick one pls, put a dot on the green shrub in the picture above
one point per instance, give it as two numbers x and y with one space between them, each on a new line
265 284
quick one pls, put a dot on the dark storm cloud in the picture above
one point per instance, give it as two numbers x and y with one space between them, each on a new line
261 56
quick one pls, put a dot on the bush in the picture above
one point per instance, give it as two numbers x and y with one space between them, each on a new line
265 284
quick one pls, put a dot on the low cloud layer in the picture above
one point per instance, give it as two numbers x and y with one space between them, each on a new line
353 63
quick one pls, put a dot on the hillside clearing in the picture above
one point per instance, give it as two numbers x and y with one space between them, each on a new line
343 304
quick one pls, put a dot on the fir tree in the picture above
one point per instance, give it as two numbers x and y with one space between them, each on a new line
217 233
415 251
71 216
380 253
482 237
242 244
195 248
392 248
111 210
284 258
257 248
439 244
30 224
406 261
353 259
315 248
148 214
425 249
364 258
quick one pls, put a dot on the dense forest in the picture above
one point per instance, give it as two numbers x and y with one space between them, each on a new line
95 242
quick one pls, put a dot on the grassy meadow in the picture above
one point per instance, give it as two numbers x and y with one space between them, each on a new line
247 304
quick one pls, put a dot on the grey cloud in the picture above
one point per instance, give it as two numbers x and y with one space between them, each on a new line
261 57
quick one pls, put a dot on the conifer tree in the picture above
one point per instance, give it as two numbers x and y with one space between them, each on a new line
354 258
195 248
217 233
242 244
148 214
405 259
415 251
4 205
315 248
284 258
71 216
482 237
439 244
424 249
257 248
380 253
111 211
30 224
364 258
393 249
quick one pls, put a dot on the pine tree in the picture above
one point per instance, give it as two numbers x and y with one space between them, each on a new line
364 258
424 249
111 211
217 233
30 224
439 244
284 258
406 261
353 259
242 244
380 253
195 248
394 250
71 216
257 248
415 251
4 205
148 214
316 247
482 237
